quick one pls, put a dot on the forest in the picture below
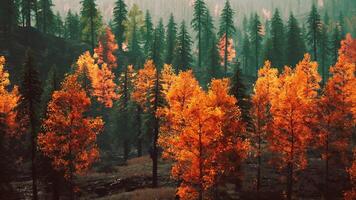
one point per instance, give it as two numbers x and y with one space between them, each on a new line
168 99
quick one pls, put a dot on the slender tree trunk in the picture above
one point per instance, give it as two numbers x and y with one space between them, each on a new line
33 152
199 42
155 135
225 53
291 170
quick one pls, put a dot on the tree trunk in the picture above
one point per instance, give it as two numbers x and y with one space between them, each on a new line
155 155
200 165
225 54
259 163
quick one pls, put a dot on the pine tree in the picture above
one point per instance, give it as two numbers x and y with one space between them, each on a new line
46 15
277 41
91 22
335 43
183 57
198 23
314 30
58 26
246 54
295 44
256 38
8 15
133 25
29 108
324 52
207 37
171 40
213 65
158 44
227 29
72 26
120 15
147 33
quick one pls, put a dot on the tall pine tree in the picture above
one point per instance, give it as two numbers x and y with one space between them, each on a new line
256 39
46 15
183 57
120 15
227 29
314 31
277 41
198 23
91 22
171 40
147 34
158 44
295 44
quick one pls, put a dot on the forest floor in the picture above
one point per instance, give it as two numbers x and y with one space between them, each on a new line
132 181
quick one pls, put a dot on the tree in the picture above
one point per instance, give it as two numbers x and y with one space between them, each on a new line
46 15
314 30
29 108
171 40
277 41
195 128
120 16
147 32
158 44
9 99
106 49
324 51
8 15
91 22
133 25
246 53
69 137
351 194
256 38
214 67
335 44
336 107
295 44
226 31
207 36
227 51
197 23
126 84
58 26
72 26
293 110
183 57
264 89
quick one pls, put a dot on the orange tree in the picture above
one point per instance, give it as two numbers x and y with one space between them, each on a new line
106 49
337 109
351 194
69 136
264 89
9 100
291 109
200 133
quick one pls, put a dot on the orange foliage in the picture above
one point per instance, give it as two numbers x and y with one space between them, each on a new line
337 105
200 133
350 195
8 102
106 49
104 87
69 137
292 107
231 52
348 49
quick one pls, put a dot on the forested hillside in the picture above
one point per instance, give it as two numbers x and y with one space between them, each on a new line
177 99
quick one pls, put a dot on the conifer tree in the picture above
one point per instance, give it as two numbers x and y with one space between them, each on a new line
91 22
295 44
198 23
246 54
226 30
8 15
183 57
171 40
147 33
29 108
335 43
72 26
120 16
214 64
256 38
324 52
46 15
158 44
314 30
207 37
277 41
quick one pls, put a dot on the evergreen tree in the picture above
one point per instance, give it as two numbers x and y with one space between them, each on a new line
147 34
198 23
8 15
58 26
46 15
207 37
72 26
295 44
133 24
314 31
214 66
227 29
324 52
91 22
246 54
256 38
277 41
171 39
120 16
335 43
158 44
183 57
29 108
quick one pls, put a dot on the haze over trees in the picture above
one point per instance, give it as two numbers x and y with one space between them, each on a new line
217 102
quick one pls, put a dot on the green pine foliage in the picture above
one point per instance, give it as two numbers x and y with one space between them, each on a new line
314 30
171 40
120 16
183 58
91 22
198 24
295 44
